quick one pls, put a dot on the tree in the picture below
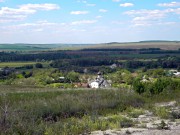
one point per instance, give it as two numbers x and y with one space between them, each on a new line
73 76
161 84
139 86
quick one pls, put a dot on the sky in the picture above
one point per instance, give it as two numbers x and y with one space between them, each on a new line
88 21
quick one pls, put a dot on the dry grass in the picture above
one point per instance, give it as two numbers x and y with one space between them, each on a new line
140 45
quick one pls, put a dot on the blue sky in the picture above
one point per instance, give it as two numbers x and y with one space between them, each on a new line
88 21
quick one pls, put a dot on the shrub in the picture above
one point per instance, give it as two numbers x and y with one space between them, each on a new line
134 112
139 86
38 65
162 112
126 123
175 114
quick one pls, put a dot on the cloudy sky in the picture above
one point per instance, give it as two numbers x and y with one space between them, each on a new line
88 21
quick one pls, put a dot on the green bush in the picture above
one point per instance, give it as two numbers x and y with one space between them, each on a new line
157 87
139 86
38 65
61 85
162 112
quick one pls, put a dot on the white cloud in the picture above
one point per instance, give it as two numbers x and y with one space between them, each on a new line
146 17
83 22
78 30
32 27
13 11
116 0
176 11
127 5
16 14
99 16
167 23
146 12
150 17
81 1
79 12
86 3
102 10
37 24
91 5
37 30
45 6
172 4
11 14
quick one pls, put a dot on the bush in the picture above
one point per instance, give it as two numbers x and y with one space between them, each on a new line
175 114
38 65
126 123
162 112
157 87
139 86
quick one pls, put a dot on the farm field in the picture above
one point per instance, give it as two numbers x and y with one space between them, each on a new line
21 47
164 45
15 64
171 45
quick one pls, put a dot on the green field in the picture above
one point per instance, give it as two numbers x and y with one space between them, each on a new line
15 64
165 45
22 47
139 45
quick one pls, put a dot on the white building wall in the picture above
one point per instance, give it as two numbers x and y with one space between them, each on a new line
94 85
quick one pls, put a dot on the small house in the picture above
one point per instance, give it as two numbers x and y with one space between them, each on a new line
174 72
99 82
94 85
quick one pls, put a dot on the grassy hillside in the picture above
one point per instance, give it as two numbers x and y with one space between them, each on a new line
21 47
15 64
165 45
54 111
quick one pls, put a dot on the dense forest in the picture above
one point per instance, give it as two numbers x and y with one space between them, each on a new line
92 58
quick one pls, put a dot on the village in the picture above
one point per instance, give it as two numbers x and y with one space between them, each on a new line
55 78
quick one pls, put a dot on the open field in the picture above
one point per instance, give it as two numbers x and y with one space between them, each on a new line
164 45
22 47
140 45
15 64
170 45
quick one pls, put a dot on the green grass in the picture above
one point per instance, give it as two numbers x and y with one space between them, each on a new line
139 45
21 64
21 47
15 64
36 110
65 111
171 45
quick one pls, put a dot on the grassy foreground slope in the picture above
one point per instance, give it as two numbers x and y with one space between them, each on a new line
29 110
